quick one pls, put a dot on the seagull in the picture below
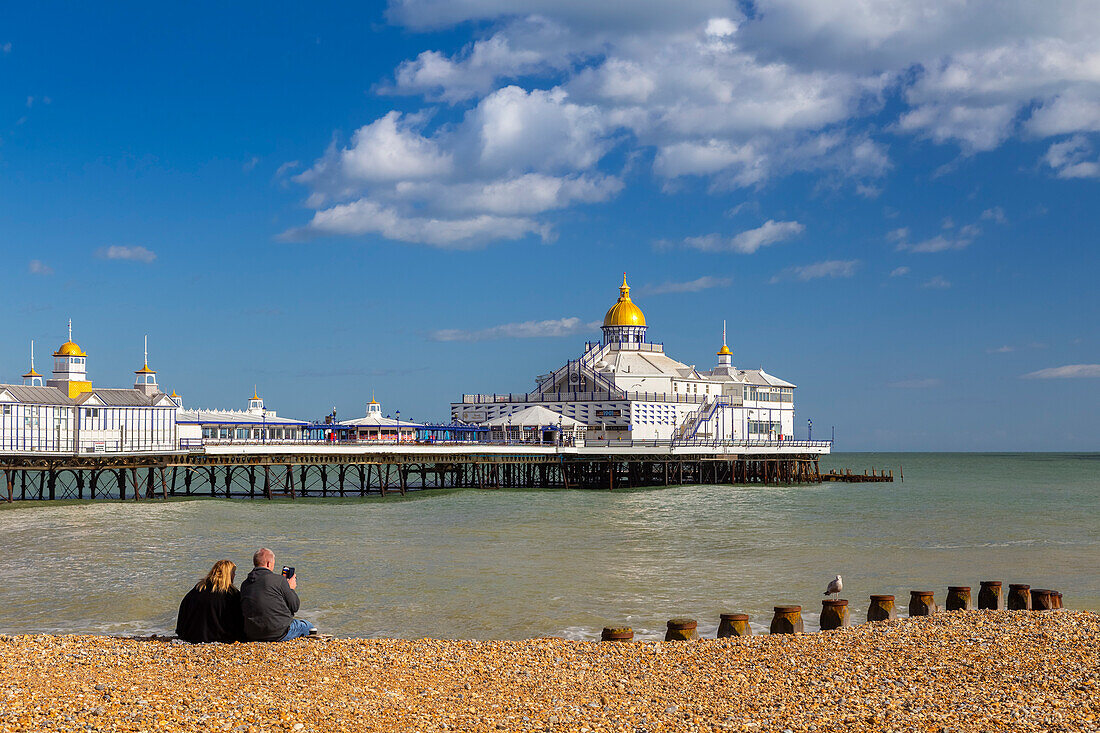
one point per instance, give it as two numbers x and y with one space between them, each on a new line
835 586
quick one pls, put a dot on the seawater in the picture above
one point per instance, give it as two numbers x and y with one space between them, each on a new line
514 564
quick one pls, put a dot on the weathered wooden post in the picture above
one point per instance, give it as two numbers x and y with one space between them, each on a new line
787 620
922 603
882 609
1057 598
989 596
681 629
617 633
834 613
1019 597
958 598
1041 599
734 624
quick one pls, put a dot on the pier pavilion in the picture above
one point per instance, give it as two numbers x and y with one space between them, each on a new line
256 424
626 388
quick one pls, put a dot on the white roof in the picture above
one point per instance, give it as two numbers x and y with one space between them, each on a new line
377 421
535 416
234 417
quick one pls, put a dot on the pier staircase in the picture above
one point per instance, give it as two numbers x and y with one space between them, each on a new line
575 371
689 429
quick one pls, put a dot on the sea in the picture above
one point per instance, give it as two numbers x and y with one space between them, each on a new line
515 564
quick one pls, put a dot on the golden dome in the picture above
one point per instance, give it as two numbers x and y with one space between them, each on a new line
725 351
31 373
624 312
69 349
145 370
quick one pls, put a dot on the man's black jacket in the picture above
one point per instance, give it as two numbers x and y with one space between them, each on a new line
268 605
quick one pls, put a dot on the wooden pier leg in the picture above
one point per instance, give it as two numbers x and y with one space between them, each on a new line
290 479
228 482
187 481
303 475
92 484
252 482
134 481
11 485
404 475
362 480
42 482
23 485
79 484
341 472
267 482
383 478
120 479
324 481
163 485
149 491
213 481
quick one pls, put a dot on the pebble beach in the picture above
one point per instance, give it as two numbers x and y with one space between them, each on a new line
957 671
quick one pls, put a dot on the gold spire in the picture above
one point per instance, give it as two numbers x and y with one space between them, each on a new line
624 312
255 393
725 350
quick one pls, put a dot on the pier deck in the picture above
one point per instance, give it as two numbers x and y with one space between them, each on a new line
334 470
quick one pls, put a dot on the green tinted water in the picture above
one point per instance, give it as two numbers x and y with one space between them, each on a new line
514 564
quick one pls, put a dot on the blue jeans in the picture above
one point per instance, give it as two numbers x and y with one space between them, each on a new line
298 628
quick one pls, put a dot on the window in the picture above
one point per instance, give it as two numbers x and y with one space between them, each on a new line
7 410
91 412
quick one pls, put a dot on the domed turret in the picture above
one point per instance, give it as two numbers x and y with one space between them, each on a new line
624 322
725 356
70 368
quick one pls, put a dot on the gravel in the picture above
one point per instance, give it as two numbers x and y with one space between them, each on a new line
959 671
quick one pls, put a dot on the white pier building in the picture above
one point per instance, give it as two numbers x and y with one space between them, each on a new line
67 414
626 388
257 424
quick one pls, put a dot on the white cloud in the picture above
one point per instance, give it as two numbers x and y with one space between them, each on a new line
250 164
937 282
550 87
690 286
995 215
826 269
961 239
1006 349
38 267
1069 371
1072 158
899 271
122 252
526 329
926 383
368 217
747 242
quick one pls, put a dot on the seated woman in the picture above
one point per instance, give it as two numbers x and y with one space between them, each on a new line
211 611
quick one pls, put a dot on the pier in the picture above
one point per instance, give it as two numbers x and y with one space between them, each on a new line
303 470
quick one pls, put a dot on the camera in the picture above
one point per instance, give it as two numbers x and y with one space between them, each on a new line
288 572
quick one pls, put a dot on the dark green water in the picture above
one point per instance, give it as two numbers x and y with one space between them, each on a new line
514 564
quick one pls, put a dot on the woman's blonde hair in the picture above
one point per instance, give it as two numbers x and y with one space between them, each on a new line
219 579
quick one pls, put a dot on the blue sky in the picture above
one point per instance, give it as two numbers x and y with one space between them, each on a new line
896 210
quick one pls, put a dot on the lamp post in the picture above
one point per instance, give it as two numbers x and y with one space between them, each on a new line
810 425
263 432
399 426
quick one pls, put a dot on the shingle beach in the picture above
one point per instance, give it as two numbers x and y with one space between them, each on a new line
960 671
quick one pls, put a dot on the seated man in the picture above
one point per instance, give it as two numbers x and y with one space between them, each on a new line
268 602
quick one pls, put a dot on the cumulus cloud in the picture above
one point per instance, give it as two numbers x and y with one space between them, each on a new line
690 286
747 242
38 267
826 269
525 329
728 93
1069 371
122 252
